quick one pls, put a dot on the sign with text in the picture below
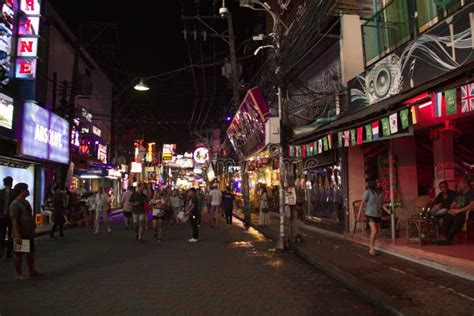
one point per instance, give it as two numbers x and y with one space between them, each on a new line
6 35
27 44
45 135
6 111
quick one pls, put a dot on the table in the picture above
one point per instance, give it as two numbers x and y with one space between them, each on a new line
422 230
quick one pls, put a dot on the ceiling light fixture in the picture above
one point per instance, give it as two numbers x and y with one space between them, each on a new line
141 86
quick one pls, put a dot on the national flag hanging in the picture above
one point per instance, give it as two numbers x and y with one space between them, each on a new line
330 141
303 151
353 137
467 98
451 99
359 135
308 151
346 138
414 115
315 144
325 144
291 151
311 149
385 127
404 118
393 123
368 133
375 130
437 104
320 146
340 139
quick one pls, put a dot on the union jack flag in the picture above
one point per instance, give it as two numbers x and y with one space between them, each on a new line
467 98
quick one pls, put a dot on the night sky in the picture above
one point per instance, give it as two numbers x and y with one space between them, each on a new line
146 41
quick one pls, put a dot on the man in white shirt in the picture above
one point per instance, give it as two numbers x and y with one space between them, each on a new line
216 200
102 207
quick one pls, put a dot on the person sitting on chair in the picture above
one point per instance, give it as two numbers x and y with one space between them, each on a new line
442 202
463 202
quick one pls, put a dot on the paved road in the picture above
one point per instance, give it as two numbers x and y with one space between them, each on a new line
227 272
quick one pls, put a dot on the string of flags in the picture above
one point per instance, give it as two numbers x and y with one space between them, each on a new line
447 101
386 126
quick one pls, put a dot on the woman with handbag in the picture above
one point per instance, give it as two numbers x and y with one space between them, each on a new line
373 203
158 214
264 216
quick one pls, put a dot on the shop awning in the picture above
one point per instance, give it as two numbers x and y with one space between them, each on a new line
383 108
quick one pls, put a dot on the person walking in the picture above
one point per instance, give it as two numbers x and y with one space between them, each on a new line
6 198
228 203
216 201
158 213
127 207
58 213
263 216
24 227
373 203
137 200
193 211
176 206
90 202
102 208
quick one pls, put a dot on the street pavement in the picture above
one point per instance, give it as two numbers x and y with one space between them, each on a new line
228 272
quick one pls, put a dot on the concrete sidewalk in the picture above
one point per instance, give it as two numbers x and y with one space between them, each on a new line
393 284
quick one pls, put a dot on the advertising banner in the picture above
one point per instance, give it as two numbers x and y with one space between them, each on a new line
247 130
168 151
44 135
6 111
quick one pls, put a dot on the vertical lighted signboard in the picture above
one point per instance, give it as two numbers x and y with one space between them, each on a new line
6 32
28 32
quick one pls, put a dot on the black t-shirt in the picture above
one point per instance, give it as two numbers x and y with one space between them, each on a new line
445 202
228 200
195 208
140 198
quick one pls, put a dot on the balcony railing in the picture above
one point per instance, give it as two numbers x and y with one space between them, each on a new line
394 25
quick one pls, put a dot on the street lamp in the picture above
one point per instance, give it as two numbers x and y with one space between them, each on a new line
141 86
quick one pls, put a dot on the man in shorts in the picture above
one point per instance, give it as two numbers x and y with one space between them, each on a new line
216 200
24 227
137 200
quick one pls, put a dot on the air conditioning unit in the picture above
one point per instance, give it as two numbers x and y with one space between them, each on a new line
272 131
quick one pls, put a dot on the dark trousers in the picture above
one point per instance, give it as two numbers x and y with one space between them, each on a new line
228 216
194 220
58 223
6 229
453 224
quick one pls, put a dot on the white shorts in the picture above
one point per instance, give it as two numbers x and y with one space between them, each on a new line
138 217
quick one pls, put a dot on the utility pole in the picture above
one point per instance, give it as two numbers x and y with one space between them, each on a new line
230 40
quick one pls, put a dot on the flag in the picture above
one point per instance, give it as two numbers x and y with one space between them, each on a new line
394 123
437 104
311 149
404 118
450 97
385 127
340 139
303 151
320 146
346 138
291 151
414 115
467 98
375 130
359 135
330 141
325 144
368 133
353 137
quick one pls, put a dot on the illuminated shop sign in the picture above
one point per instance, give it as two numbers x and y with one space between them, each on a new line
6 32
6 111
201 155
45 135
27 44
168 151
136 167
86 114
96 131
102 153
